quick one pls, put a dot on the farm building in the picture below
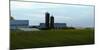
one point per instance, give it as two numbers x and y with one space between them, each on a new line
56 25
14 24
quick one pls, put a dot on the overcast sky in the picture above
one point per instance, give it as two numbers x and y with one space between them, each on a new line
72 15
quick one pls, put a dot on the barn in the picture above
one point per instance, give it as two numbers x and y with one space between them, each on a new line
14 24
56 25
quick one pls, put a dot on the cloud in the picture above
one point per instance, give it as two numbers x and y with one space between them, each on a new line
16 5
62 17
33 5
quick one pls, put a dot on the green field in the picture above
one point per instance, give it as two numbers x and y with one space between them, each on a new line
50 38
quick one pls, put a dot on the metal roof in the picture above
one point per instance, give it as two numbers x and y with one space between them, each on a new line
55 25
19 22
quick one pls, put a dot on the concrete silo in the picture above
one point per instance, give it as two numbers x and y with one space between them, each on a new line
47 16
51 22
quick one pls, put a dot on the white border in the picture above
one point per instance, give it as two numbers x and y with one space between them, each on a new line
4 24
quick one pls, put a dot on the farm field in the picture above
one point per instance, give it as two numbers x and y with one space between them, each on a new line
50 38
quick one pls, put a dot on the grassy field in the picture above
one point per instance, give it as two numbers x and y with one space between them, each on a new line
50 38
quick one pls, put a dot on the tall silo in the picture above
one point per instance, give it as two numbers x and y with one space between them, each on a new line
52 22
47 15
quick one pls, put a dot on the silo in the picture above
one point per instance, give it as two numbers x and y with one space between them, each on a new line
47 15
52 22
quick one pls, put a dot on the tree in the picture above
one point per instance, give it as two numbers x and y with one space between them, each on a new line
11 18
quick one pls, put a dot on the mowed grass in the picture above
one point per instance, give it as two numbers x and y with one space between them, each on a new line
50 38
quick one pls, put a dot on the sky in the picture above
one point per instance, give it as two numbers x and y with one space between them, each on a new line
72 15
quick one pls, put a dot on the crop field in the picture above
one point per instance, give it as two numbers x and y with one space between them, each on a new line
50 38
